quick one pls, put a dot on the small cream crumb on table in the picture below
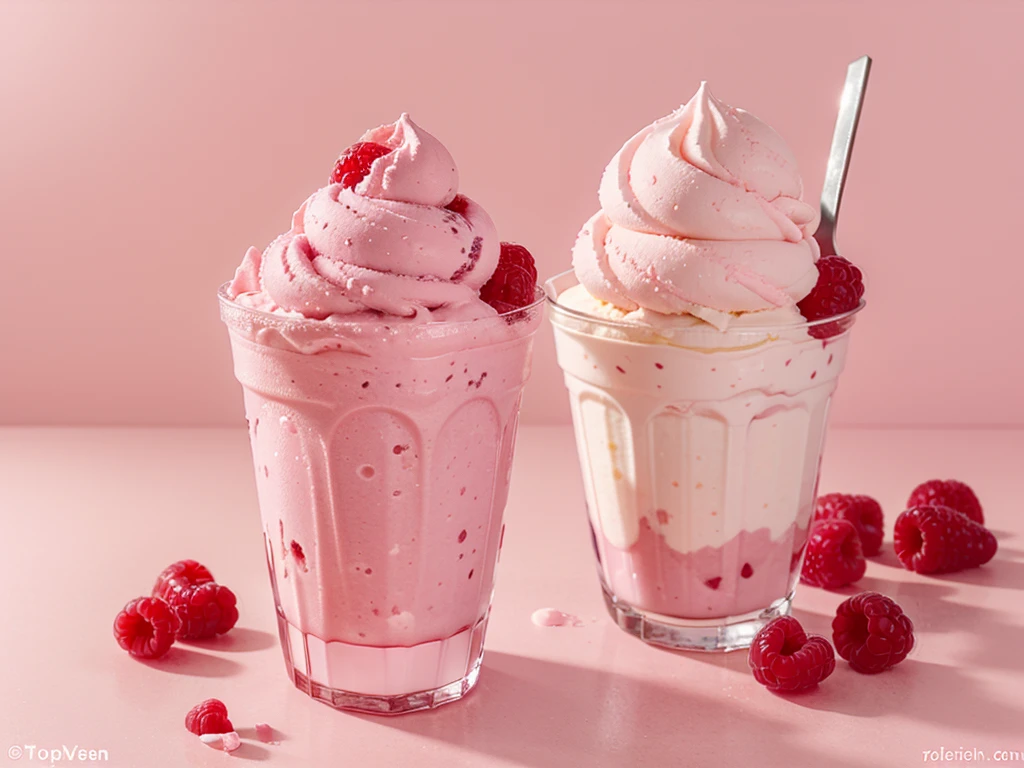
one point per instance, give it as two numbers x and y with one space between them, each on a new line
91 516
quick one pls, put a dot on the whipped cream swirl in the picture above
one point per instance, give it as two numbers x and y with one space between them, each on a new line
702 214
401 242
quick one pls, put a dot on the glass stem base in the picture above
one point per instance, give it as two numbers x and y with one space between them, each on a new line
730 633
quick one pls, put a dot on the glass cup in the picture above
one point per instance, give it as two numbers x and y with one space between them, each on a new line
383 455
700 458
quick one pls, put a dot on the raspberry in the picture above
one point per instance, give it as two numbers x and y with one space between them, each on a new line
146 627
872 632
355 162
514 282
934 539
839 288
948 493
784 658
178 575
834 556
209 717
864 512
204 610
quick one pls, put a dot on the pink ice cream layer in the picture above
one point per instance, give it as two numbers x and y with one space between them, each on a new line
748 573
382 478
382 498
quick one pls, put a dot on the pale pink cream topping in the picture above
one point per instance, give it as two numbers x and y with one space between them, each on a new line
389 245
702 214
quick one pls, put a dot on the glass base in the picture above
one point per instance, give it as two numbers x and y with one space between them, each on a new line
388 705
730 633
383 680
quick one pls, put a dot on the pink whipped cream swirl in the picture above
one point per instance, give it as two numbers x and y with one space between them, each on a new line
701 213
400 243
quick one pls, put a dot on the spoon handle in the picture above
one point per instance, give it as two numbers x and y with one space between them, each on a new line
842 148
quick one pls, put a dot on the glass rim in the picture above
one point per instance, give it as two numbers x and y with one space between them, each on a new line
552 299
539 299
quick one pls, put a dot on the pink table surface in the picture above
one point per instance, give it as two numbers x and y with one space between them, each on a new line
90 517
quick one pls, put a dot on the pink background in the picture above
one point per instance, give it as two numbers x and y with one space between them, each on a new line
145 145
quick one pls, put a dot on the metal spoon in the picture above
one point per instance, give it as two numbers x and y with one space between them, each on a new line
842 148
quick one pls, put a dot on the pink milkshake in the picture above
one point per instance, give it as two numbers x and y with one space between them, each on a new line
699 390
382 388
